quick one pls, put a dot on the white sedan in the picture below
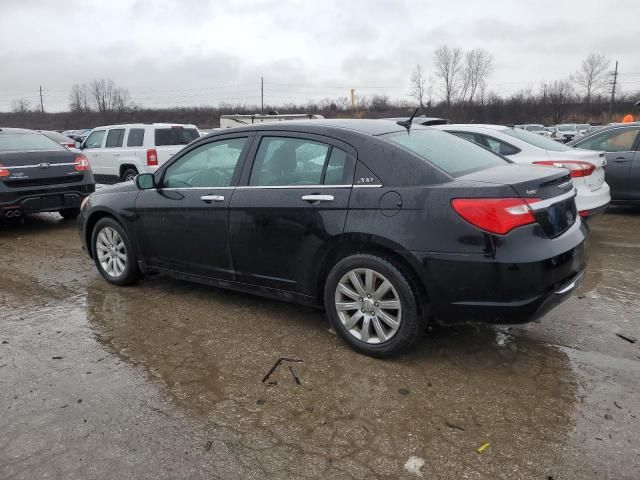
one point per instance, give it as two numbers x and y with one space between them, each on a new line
520 146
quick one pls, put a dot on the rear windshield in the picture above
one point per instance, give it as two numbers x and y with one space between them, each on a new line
536 140
454 155
57 137
534 128
15 142
566 128
175 136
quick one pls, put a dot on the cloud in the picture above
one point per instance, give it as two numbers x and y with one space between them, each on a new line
193 51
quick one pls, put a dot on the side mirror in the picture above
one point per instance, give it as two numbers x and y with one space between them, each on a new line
145 181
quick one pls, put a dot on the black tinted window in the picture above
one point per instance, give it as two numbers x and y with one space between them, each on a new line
114 138
26 142
337 168
209 165
288 161
499 147
448 152
136 137
175 136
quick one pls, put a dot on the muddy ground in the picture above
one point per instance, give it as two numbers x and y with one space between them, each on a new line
164 380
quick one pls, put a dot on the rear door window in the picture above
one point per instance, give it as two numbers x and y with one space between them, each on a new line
136 137
284 161
175 136
452 154
114 138
498 146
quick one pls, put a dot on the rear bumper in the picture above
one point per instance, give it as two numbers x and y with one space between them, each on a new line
516 286
44 199
593 202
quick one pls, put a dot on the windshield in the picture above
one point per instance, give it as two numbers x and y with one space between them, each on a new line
452 154
584 126
175 136
566 128
534 128
12 142
536 140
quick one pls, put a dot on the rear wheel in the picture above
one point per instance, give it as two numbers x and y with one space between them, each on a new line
112 253
129 174
69 213
372 305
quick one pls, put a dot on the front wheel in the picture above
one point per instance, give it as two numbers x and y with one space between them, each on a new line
372 305
112 253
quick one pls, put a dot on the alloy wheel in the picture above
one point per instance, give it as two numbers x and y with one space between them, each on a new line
111 252
368 305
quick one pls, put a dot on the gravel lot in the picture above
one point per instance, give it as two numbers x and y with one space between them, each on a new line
165 379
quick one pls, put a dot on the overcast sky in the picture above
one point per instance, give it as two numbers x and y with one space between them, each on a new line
192 52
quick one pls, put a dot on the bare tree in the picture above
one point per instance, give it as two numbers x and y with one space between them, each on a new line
418 85
448 64
477 67
21 105
79 98
107 97
593 74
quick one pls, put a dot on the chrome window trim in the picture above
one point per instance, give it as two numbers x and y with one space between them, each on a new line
246 187
271 187
553 200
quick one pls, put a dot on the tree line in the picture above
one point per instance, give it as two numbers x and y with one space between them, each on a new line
456 88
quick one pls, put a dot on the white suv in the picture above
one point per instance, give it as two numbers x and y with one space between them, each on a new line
120 152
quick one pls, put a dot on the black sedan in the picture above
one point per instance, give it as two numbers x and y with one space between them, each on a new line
387 228
621 142
39 175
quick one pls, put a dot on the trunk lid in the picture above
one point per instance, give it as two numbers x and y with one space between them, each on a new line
34 168
556 209
595 181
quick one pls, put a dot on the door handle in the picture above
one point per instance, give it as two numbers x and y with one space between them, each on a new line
621 160
212 198
317 198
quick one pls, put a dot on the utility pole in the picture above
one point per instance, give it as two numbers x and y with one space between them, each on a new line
261 94
353 99
41 102
613 90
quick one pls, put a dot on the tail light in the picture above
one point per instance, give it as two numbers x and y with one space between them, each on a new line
152 157
576 168
3 171
496 215
82 164
69 145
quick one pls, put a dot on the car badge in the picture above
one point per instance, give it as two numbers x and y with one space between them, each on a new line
532 192
44 165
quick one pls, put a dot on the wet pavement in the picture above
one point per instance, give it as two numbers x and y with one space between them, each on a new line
165 380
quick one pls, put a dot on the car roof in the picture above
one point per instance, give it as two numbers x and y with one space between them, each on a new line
142 125
486 126
362 126
16 130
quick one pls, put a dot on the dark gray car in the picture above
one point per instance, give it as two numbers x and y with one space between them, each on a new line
622 173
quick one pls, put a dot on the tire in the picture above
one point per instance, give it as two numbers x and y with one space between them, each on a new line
129 174
117 265
69 213
381 340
